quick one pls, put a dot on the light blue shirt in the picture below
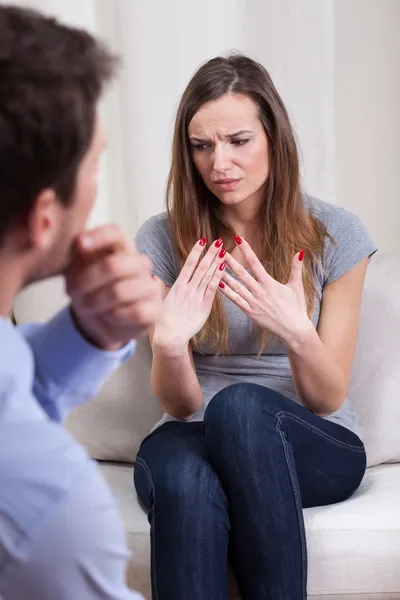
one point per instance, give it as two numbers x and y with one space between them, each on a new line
61 537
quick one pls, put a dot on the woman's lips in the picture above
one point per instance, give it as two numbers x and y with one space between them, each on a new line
227 184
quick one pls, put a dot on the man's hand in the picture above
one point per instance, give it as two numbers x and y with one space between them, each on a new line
114 296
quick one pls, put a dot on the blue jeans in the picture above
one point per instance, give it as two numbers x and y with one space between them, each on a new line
234 487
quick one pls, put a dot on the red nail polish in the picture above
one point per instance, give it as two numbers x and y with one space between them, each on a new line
203 242
222 253
219 243
301 255
221 266
221 285
238 239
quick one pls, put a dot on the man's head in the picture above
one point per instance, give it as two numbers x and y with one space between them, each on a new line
51 78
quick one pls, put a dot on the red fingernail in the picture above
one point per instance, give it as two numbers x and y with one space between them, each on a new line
203 242
222 266
221 285
153 277
301 255
219 243
238 239
222 253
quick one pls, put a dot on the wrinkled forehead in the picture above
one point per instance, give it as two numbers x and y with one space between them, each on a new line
225 116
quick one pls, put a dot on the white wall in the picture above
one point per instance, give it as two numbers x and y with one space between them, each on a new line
367 114
163 43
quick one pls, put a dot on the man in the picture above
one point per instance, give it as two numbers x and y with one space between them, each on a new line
60 534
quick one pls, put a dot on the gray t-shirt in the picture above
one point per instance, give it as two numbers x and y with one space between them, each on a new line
272 368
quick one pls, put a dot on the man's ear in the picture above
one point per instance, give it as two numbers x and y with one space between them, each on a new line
45 219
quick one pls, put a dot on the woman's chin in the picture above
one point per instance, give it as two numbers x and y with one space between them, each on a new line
230 198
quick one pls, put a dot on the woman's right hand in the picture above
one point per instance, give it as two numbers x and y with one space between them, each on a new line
188 304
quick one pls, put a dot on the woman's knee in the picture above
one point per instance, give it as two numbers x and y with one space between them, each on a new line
144 485
240 403
182 487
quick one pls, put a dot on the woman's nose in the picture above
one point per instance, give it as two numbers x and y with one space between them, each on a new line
221 159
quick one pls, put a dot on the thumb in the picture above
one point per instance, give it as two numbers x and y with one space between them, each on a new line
296 273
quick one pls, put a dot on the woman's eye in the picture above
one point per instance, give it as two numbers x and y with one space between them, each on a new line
200 146
239 142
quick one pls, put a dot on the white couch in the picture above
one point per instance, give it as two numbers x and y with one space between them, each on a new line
354 547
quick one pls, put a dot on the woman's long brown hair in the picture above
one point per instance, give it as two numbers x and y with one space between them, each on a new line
285 225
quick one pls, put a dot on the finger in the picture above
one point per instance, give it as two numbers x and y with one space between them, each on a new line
143 313
214 282
255 265
104 238
117 294
109 269
234 297
237 287
296 273
244 276
191 262
206 269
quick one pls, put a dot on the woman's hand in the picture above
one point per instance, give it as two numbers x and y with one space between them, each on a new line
276 308
188 304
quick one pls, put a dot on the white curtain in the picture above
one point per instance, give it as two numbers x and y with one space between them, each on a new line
162 44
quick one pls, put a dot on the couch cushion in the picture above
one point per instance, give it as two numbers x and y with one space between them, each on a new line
354 546
375 379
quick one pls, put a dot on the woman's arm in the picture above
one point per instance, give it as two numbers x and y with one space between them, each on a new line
186 308
174 379
321 360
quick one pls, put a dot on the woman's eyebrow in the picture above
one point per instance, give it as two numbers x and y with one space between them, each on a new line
237 133
196 139
227 136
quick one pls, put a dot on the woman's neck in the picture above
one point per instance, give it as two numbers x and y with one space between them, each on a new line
243 218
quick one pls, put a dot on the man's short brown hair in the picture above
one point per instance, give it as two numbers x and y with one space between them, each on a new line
51 78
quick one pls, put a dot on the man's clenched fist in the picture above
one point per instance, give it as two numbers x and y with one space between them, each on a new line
114 296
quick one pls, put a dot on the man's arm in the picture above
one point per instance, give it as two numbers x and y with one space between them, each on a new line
68 369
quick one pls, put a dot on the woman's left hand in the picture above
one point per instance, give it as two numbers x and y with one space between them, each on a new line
276 308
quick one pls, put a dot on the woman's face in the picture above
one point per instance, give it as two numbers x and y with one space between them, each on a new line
230 149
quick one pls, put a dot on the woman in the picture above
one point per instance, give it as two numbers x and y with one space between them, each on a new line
252 356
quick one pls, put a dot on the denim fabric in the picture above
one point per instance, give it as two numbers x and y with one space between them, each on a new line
234 487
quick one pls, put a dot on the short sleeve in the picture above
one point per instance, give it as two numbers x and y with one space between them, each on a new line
153 239
350 245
